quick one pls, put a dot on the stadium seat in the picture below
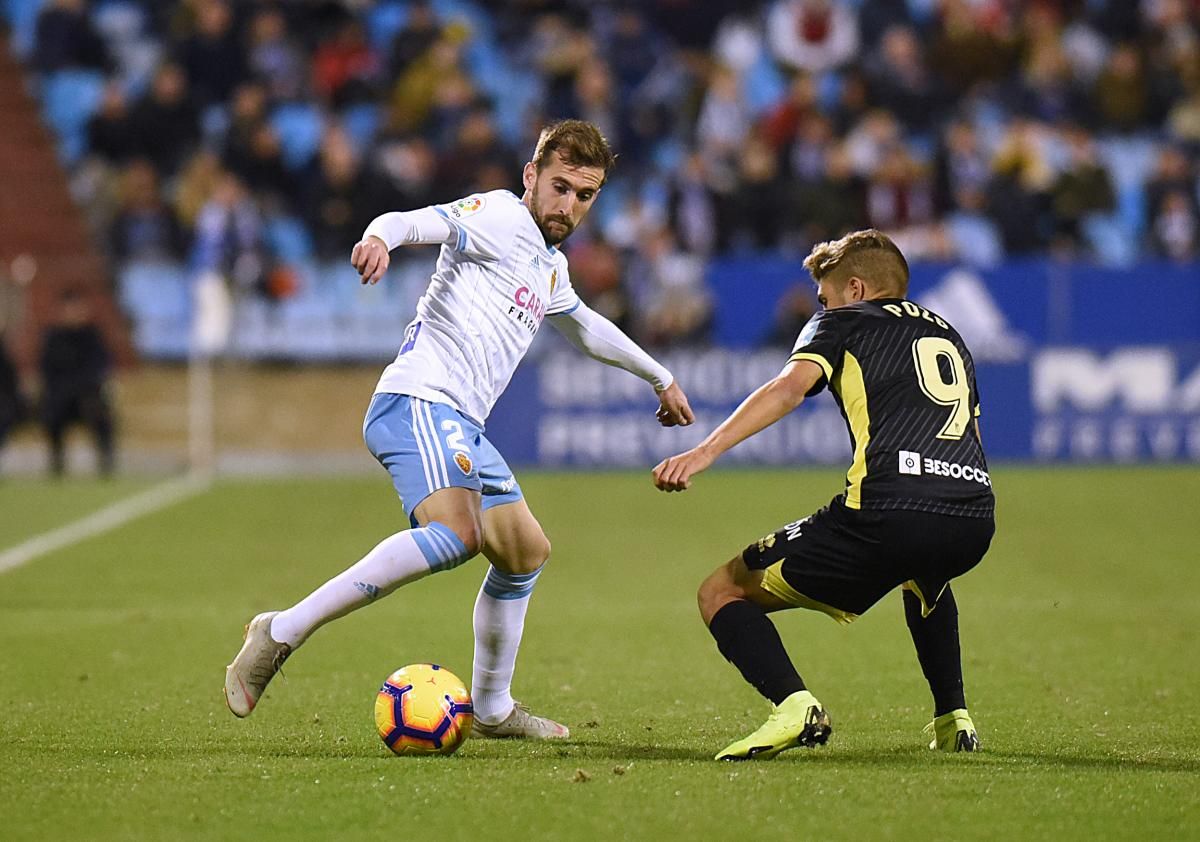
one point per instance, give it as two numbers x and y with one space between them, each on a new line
300 127
118 21
69 99
1112 241
22 17
384 20
288 239
361 122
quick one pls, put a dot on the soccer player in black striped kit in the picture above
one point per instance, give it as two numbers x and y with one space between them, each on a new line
917 510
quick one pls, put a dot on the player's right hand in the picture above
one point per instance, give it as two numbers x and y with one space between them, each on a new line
675 472
370 259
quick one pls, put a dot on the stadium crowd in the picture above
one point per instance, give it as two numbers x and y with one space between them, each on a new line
243 136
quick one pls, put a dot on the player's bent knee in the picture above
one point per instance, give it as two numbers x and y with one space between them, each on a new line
717 591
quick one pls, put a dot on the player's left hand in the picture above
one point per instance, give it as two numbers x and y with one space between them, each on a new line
673 407
675 472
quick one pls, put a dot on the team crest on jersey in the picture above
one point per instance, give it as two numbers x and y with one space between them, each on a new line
466 207
765 543
464 462
553 280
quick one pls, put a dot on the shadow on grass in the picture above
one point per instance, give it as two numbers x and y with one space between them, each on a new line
489 751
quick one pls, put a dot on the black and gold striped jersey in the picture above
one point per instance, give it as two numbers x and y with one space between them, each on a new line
905 383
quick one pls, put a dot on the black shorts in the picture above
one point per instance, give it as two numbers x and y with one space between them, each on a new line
842 561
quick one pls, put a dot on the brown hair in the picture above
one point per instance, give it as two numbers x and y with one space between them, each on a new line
578 142
869 255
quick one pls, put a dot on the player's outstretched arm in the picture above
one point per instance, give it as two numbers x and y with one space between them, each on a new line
602 340
370 256
766 405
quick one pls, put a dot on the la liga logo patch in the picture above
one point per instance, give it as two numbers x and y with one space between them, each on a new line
464 462
466 207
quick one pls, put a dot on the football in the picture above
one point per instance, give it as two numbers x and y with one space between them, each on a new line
423 709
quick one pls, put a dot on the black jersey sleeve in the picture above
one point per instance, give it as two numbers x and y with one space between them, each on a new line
823 342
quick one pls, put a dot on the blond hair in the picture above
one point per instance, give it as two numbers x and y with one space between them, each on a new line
578 142
869 255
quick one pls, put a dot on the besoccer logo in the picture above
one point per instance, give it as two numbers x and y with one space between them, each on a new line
464 462
910 463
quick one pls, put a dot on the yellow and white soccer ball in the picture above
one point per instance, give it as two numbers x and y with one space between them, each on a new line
423 709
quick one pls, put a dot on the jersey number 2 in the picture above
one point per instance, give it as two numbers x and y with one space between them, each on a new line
928 353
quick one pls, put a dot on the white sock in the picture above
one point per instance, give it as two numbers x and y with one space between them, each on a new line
499 622
395 561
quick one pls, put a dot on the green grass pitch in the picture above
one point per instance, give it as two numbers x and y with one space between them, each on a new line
1079 634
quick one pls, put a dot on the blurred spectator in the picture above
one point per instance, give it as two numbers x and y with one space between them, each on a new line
691 207
693 23
1173 173
1083 188
784 121
1121 96
1018 194
247 111
112 135
794 310
812 35
972 43
868 142
724 117
960 165
834 205
561 50
477 145
12 404
401 177
333 208
1183 121
596 271
899 194
811 151
195 185
74 367
1176 227
413 94
346 67
973 238
229 238
632 47
166 121
853 102
421 29
144 227
675 304
762 205
595 98
1047 90
65 38
259 164
211 55
901 82
274 58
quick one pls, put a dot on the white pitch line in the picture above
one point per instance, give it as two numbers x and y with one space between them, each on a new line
118 514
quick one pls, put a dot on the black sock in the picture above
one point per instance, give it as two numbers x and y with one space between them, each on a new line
749 641
936 639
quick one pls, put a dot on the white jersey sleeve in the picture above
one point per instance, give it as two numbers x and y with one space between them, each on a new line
485 226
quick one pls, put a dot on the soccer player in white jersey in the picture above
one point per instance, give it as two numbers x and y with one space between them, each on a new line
499 273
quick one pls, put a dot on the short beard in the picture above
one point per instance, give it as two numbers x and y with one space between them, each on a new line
544 226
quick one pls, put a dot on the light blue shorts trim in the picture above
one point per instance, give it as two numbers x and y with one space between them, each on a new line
430 446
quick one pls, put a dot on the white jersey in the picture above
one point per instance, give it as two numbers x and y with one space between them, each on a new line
484 304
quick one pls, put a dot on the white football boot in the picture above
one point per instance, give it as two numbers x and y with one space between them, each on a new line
521 724
255 665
